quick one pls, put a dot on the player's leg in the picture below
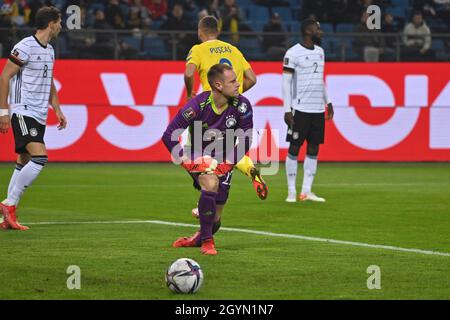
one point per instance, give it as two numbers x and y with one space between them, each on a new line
221 199
207 211
218 218
315 138
291 171
247 167
29 144
22 160
195 239
296 136
24 179
30 171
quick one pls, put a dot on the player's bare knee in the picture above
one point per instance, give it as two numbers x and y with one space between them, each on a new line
23 158
209 182
36 149
294 149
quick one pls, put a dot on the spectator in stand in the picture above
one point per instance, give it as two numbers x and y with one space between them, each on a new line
103 47
190 9
316 7
233 20
390 42
274 45
201 14
6 42
134 20
114 15
157 9
80 41
443 12
213 9
142 11
19 12
417 40
368 46
178 22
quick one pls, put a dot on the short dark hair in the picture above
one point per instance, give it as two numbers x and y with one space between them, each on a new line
209 24
306 24
45 15
217 71
417 13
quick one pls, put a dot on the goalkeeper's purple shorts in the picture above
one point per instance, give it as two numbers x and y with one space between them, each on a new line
224 186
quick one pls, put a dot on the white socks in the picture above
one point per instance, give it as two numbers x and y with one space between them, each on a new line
22 179
12 182
291 173
309 171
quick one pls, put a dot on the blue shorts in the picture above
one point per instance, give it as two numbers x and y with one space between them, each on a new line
224 186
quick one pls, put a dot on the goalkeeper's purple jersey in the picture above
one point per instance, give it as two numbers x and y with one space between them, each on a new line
201 116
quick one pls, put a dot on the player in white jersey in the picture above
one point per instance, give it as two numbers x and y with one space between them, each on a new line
304 99
26 89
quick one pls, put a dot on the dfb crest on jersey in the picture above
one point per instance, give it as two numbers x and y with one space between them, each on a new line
33 132
230 122
242 107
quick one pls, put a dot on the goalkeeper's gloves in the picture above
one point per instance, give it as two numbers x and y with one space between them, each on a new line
204 164
223 168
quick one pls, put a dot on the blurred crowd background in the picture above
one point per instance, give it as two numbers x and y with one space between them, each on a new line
411 30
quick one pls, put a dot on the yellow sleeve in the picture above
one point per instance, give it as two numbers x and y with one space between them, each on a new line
193 56
245 63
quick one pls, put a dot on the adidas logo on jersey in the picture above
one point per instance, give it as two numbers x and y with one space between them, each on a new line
39 58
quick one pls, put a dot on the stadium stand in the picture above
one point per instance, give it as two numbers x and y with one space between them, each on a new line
147 17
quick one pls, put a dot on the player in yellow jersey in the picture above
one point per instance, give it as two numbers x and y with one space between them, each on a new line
201 58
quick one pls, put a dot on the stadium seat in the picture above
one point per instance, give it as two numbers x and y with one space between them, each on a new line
329 46
96 5
156 48
401 3
293 40
133 41
343 48
62 47
256 13
191 14
251 47
246 3
293 27
326 27
438 46
345 27
156 24
60 4
398 12
257 26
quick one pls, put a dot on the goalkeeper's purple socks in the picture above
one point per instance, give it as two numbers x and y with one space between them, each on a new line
207 212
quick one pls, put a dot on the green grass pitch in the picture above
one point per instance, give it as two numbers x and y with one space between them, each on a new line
404 205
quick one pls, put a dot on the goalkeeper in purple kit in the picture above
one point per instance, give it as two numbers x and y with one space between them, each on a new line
220 128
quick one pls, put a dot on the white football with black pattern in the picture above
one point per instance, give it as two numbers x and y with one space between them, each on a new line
184 276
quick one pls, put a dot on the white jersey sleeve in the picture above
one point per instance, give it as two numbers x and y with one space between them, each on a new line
289 61
20 54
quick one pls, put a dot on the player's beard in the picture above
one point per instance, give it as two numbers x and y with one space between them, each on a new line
316 40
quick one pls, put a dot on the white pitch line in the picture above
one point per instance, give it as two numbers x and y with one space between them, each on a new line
263 233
